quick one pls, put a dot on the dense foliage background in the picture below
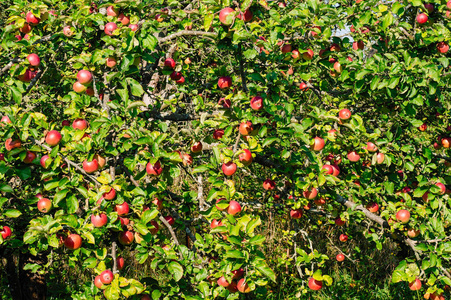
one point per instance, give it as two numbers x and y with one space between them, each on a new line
225 149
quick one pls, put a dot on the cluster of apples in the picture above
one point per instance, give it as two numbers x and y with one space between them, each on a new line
82 85
110 27
227 16
107 276
229 168
236 284
169 63
33 64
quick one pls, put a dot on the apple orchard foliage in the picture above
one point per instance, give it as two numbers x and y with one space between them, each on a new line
161 76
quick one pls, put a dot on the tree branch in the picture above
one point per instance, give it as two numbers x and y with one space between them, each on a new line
186 32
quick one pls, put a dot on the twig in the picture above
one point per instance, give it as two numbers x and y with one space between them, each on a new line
186 32
242 71
113 254
169 227
9 65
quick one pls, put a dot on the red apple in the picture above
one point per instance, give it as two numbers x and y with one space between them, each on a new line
320 202
170 220
337 67
339 221
415 285
317 144
423 127
106 277
112 11
303 87
154 169
90 166
442 188
169 63
6 120
227 16
44 205
145 297
358 45
196 147
217 135
73 241
245 157
109 28
310 194
133 27
229 168
158 203
286 48
110 195
257 103
84 77
242 286
78 87
126 237
26 28
353 156
5 232
329 169
296 213
123 19
315 285
403 216
442 47
308 55
2 157
422 18
343 238
98 283
371 147
269 184
234 208
336 170
32 19
224 82
215 223
340 257
120 263
111 62
245 128
156 227
413 233
11 144
429 7
246 16
99 220
53 138
372 207
100 160
295 54
223 282
187 160
34 59
67 31
335 47
380 158
344 114
122 209
29 157
176 75
226 103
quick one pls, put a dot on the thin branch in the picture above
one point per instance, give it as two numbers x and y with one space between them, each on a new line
187 32
169 227
9 65
242 71
113 254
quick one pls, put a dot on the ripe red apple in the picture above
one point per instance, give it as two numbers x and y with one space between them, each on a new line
176 75
73 241
112 11
296 213
100 160
234 208
123 19
442 47
415 285
126 237
90 166
403 216
336 170
154 169
5 119
84 77
181 80
340 257
133 27
358 45
371 147
98 283
245 128
380 158
286 48
99 220
423 127
170 220
242 286
339 221
32 19
257 103
2 157
224 82
353 156
217 135
269 184
78 87
246 16
196 147
245 157
337 67
308 55
223 282
27 76
344 114
106 277
187 160
26 28
413 233
343 237
120 263
158 203
53 138
442 188
122 209
5 232
29 157
229 168
90 92
295 54
215 223
169 63
303 87
335 47
227 16
111 62
44 205
372 207
109 28
310 194
446 142
11 144
110 195
422 18
315 285
226 103
448 4
317 144
34 59
429 7
320 202
329 169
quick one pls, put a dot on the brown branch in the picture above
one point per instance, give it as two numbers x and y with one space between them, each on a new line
186 32
113 254
169 227
9 65
242 71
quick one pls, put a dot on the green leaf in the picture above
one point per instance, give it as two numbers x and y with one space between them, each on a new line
6 188
176 269
149 215
12 213
234 254
257 240
267 271
136 88
208 20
